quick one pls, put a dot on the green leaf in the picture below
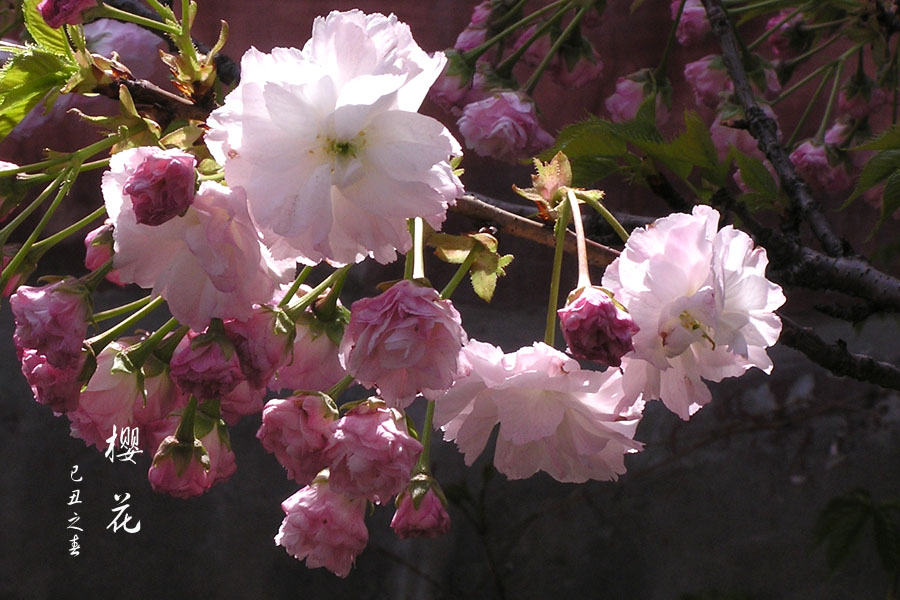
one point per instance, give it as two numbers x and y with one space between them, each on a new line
24 80
53 40
876 170
840 524
755 174
588 138
888 140
890 200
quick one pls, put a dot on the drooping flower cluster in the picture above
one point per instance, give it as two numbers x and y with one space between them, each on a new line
704 307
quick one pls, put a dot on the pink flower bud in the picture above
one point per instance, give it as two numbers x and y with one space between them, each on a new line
206 365
860 103
481 13
296 430
323 527
812 163
98 246
429 520
56 388
588 68
180 469
152 413
623 105
404 341
595 328
371 453
52 319
64 12
693 25
780 42
243 400
709 80
503 126
470 38
162 186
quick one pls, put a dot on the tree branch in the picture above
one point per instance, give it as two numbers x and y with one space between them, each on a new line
836 358
763 129
511 224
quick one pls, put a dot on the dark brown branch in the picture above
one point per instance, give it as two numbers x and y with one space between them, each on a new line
836 358
158 104
763 130
511 224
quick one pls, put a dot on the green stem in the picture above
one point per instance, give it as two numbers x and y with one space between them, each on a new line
470 56
41 177
295 311
410 257
539 70
803 82
163 11
835 86
505 67
47 243
510 14
111 12
70 175
26 212
424 463
769 32
340 387
809 106
817 49
121 310
327 311
670 41
826 24
98 342
584 275
75 157
142 350
185 432
418 271
560 229
749 7
608 216
304 273
460 274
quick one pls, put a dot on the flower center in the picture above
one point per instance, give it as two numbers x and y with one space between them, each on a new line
346 167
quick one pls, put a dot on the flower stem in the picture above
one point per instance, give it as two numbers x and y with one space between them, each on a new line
470 56
814 51
749 7
418 270
26 212
121 310
560 229
340 387
69 176
139 353
75 157
110 12
41 177
185 432
423 465
823 125
608 216
769 32
570 28
97 343
460 274
327 311
48 242
298 309
812 101
670 41
295 286
803 82
584 275
505 67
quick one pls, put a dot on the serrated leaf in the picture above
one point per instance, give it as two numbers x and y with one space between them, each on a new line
587 170
879 168
889 139
52 40
755 175
25 79
451 248
588 138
